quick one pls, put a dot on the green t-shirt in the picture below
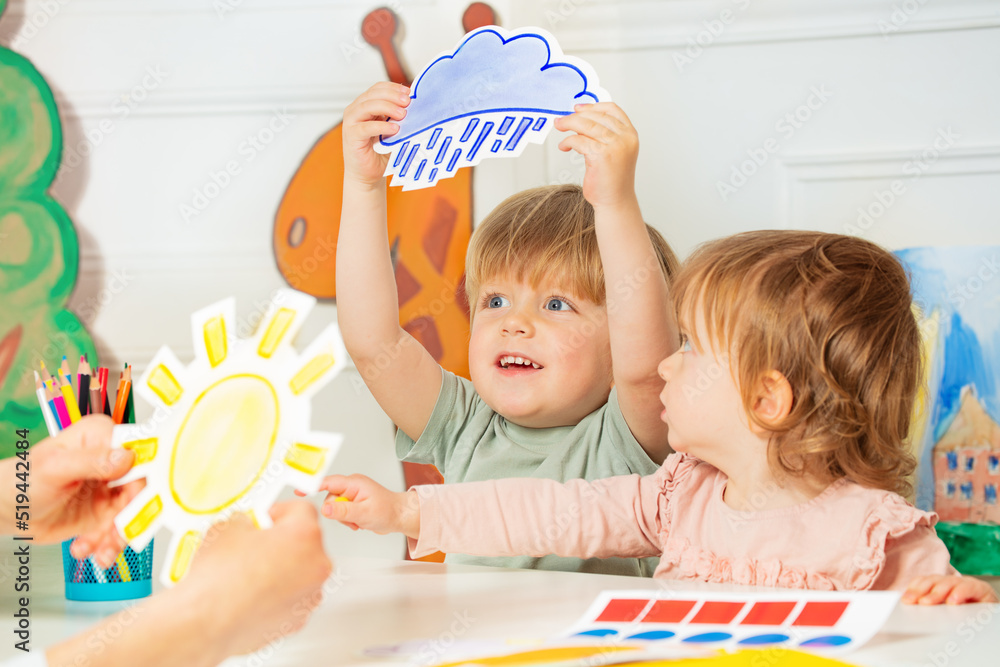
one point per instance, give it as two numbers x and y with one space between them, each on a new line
469 442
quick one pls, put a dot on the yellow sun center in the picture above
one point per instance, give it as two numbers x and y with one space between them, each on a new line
207 480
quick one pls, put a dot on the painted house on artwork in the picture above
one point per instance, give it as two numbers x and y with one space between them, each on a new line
967 465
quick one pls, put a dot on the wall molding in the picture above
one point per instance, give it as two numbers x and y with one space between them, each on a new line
115 106
631 25
798 169
220 8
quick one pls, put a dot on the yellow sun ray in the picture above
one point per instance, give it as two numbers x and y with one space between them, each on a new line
325 357
282 321
145 449
215 340
184 554
144 519
211 329
306 458
163 382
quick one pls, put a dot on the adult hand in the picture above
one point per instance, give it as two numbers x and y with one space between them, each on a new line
68 487
246 588
259 584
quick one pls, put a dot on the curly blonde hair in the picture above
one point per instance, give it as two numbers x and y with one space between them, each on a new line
833 314
546 233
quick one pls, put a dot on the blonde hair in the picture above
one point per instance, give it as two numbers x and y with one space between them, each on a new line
833 314
546 233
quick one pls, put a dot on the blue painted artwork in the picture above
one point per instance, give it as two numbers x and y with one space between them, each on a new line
496 92
956 435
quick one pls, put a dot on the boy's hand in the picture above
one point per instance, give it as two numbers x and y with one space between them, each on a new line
948 589
610 146
365 119
370 505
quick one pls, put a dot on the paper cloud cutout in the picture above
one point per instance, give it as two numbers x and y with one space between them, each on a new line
497 91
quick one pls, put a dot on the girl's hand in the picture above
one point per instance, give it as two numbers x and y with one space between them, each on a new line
609 145
358 502
948 589
365 119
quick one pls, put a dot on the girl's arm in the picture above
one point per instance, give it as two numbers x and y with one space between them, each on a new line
618 516
402 376
918 563
640 317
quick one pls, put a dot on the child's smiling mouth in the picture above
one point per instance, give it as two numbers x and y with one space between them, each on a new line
516 362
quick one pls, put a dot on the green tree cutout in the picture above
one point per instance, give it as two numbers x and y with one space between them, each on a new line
38 249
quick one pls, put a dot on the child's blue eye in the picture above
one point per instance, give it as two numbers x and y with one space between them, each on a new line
685 343
496 301
557 304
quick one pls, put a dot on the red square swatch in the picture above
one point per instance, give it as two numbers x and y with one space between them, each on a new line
718 612
622 611
821 614
768 613
668 611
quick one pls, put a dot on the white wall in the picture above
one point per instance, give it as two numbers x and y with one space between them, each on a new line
162 94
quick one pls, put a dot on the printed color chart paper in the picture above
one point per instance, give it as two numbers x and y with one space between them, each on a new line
820 621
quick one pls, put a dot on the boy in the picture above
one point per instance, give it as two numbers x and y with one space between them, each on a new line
545 329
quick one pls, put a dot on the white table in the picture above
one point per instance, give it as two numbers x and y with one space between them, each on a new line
383 602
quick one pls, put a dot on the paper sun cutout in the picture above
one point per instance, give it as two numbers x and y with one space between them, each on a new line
230 430
495 93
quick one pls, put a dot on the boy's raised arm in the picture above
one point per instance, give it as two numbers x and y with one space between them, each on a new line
401 374
641 322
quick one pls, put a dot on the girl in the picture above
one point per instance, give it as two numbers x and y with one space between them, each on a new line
788 405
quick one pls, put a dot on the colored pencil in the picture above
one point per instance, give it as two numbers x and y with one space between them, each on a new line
83 382
43 403
46 378
130 401
61 410
51 398
72 407
121 564
95 395
123 572
105 408
121 400
64 370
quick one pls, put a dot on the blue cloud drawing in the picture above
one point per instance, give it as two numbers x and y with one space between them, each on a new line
488 72
489 98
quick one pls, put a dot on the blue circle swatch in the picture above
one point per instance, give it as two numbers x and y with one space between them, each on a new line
653 634
829 640
708 637
599 632
758 640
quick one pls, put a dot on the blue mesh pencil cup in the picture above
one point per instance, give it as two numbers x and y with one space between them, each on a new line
129 578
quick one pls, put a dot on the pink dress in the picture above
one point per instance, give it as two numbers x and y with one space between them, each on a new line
847 537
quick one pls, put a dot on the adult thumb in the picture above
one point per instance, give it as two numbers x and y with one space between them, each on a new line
83 452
